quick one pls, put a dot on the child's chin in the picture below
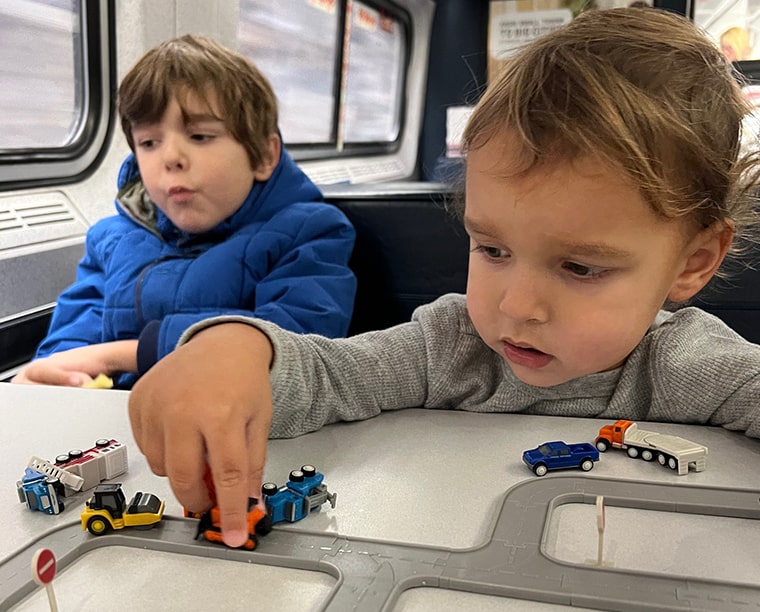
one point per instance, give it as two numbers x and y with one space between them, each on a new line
538 378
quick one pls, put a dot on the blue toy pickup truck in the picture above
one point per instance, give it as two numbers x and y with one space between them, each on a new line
558 455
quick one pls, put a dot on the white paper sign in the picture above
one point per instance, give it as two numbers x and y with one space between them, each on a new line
509 31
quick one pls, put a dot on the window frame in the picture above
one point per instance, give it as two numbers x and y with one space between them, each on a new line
39 167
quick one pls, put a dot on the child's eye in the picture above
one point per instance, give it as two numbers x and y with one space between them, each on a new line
583 271
201 137
491 252
146 143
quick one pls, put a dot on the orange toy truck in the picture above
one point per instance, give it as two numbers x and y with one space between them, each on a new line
669 450
209 525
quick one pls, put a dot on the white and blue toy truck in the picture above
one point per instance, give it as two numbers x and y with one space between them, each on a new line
304 493
40 492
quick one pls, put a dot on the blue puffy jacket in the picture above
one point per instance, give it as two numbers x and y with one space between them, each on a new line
283 256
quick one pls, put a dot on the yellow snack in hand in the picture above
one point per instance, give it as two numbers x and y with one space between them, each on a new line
101 381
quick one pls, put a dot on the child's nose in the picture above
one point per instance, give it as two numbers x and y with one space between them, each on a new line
174 154
523 298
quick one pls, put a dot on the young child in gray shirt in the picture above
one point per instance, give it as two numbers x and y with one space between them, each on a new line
605 179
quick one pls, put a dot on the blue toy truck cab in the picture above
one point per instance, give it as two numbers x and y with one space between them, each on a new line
304 492
557 455
40 492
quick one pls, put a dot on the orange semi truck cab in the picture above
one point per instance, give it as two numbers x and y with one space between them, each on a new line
612 435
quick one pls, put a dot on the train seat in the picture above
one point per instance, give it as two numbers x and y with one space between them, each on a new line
409 249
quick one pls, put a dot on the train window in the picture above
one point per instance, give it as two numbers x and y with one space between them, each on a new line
374 76
40 60
337 67
55 96
297 50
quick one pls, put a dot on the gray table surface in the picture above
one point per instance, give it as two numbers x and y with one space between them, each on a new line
418 477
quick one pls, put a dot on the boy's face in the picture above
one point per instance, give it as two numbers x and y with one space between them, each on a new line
568 264
195 171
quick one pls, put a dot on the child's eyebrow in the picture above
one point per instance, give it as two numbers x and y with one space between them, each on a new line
591 249
587 249
473 226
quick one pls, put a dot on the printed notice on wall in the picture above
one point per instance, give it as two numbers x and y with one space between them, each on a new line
510 30
456 120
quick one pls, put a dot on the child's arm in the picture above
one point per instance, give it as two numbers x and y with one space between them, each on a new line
79 366
701 371
215 399
209 402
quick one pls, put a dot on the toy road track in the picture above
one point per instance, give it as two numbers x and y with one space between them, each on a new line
371 575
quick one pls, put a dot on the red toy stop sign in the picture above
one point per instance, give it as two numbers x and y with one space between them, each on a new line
43 566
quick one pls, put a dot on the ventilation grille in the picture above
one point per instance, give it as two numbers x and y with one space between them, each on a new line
34 218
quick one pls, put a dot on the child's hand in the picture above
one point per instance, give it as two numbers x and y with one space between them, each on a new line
209 402
79 366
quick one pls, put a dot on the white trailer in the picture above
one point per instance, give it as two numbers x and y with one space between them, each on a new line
80 470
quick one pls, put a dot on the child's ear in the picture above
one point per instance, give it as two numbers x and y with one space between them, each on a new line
704 253
271 159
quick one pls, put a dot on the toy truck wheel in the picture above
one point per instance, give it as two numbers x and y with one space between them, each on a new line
602 445
633 452
672 463
647 455
269 488
587 465
308 470
540 469
97 525
662 459
264 526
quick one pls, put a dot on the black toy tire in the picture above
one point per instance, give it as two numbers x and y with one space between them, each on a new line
97 525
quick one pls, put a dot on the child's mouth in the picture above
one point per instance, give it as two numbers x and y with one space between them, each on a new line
525 356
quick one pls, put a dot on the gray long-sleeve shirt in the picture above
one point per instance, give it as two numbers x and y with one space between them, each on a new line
689 368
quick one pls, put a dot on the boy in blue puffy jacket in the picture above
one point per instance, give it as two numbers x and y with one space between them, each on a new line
214 218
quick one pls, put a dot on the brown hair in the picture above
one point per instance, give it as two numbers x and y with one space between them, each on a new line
203 67
644 90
